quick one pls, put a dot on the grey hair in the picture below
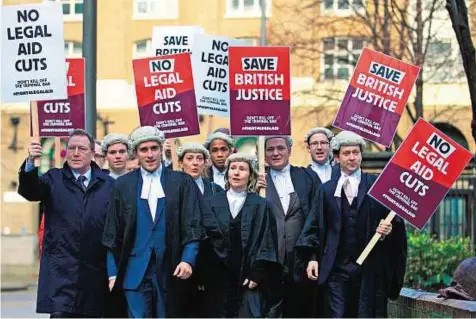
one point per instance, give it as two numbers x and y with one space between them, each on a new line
192 148
219 136
328 133
252 165
81 132
286 138
347 138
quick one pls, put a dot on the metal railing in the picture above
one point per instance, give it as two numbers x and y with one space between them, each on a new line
456 215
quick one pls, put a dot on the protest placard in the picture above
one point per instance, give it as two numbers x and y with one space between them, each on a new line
173 39
33 58
58 118
260 91
210 73
420 174
165 94
376 96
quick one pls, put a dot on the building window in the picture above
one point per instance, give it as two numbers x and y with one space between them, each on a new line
142 49
246 8
72 9
342 7
73 49
155 9
340 56
443 62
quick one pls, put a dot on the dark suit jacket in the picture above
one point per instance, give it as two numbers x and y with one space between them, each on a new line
384 269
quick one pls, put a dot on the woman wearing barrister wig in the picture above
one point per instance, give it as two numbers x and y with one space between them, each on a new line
240 258
192 158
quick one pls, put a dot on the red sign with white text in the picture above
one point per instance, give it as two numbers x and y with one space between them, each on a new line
57 118
420 174
165 94
260 94
376 96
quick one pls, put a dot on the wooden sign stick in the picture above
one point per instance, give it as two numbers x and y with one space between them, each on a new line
210 125
35 125
374 241
173 151
262 191
58 152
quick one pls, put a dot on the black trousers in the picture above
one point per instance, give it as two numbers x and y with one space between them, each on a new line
342 296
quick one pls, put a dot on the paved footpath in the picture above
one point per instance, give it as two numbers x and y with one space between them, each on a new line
19 304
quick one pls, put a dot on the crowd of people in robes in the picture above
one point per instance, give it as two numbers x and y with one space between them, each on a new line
146 239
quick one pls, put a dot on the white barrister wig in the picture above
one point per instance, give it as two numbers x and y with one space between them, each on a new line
347 138
114 138
219 136
317 130
145 134
243 157
287 138
192 148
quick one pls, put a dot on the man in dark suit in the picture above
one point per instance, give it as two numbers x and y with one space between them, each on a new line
292 191
336 233
72 281
152 232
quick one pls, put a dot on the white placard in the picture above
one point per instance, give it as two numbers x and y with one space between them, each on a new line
173 39
33 58
210 73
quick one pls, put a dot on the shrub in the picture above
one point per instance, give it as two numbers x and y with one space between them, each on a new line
432 262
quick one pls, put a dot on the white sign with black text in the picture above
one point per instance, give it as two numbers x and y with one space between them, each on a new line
173 39
33 57
210 73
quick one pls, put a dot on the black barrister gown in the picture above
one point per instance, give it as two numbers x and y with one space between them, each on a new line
240 248
195 305
383 271
183 226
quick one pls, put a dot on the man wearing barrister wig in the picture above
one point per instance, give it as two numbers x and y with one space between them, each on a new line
220 146
338 231
242 250
115 147
318 142
152 231
292 190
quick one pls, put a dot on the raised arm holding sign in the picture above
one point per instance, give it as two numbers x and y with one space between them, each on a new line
33 58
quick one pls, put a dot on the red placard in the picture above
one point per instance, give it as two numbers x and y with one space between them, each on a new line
260 93
57 118
420 173
376 96
165 94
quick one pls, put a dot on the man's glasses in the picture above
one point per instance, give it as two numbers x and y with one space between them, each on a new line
321 143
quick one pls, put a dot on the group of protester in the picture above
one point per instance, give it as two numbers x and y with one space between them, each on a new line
199 241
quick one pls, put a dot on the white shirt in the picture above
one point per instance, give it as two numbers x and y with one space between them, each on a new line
352 181
199 182
152 188
284 185
116 176
324 171
218 177
236 200
87 175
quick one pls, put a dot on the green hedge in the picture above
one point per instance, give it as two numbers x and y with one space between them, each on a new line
432 262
